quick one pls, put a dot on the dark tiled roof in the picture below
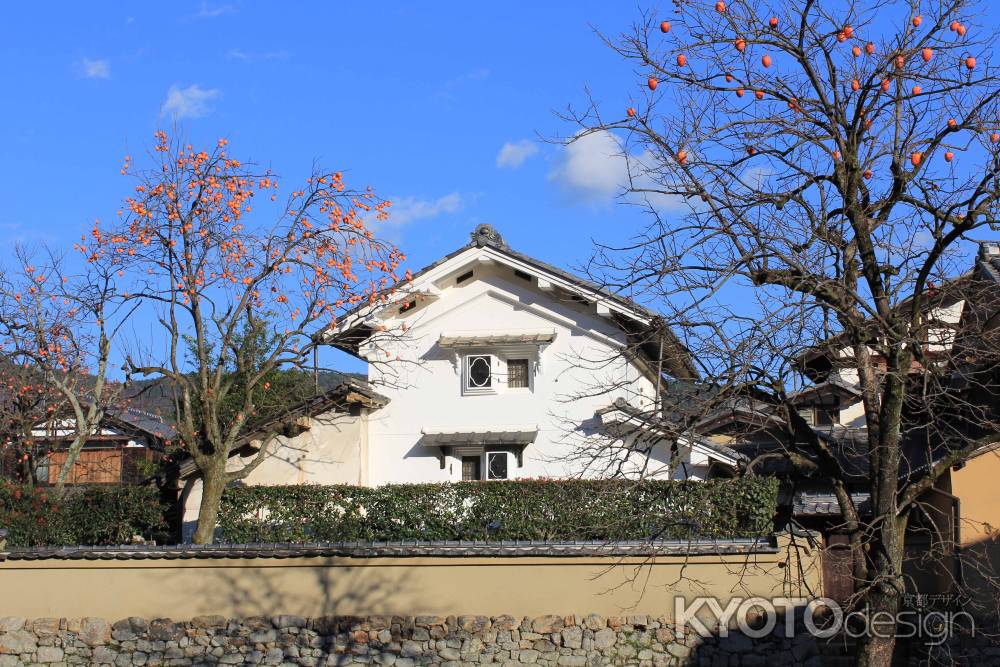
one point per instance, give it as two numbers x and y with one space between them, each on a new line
396 549
144 421
813 503
832 383
650 420
351 390
485 236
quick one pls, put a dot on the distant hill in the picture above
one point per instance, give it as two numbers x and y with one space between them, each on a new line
153 396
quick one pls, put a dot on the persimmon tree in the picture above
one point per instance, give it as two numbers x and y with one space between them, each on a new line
57 329
25 402
220 262
811 171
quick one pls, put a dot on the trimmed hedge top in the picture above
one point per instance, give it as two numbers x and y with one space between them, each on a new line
551 510
84 516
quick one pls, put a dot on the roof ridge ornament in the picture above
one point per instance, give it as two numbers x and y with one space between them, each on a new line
486 234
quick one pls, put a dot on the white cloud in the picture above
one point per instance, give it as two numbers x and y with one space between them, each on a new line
513 155
594 168
405 210
190 102
210 11
95 69
250 57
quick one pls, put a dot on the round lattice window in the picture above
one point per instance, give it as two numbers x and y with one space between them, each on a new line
479 372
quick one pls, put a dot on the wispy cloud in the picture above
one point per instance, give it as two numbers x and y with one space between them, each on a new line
94 69
513 155
594 168
209 10
190 102
477 74
252 57
405 210
449 89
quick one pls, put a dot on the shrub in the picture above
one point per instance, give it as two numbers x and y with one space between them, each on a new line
517 510
91 515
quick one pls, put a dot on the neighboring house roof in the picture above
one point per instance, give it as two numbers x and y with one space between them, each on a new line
639 322
989 260
622 413
948 293
834 384
131 421
739 410
145 422
825 504
350 392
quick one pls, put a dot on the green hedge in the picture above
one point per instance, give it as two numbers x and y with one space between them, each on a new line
91 515
517 510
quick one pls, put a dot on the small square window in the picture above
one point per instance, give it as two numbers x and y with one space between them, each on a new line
479 373
518 373
496 465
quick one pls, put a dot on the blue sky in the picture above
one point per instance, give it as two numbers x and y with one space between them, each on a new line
418 101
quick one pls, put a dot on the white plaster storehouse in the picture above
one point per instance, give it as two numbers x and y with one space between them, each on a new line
508 368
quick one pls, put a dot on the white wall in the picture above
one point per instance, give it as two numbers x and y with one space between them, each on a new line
332 451
428 389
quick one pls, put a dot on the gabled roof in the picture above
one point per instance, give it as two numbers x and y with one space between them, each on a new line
144 422
623 412
833 384
643 326
828 351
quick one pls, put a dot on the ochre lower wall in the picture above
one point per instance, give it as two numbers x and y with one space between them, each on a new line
976 486
315 587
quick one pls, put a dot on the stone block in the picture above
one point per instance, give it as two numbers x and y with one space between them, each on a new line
164 629
288 621
45 627
94 631
411 649
474 624
528 656
263 636
604 639
505 622
547 624
18 641
572 637
594 622
208 622
11 623
48 654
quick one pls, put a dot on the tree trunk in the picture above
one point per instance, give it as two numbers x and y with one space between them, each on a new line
876 646
877 642
213 484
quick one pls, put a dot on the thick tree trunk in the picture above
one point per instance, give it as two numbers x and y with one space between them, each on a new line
213 484
877 642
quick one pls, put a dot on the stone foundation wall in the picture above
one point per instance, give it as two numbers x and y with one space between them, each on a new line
581 641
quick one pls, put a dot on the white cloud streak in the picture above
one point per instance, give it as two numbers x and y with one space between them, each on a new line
190 102
211 11
95 69
594 169
513 155
405 210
